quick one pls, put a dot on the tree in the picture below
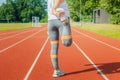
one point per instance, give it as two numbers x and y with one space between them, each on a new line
23 10
74 7
7 12
87 7
112 6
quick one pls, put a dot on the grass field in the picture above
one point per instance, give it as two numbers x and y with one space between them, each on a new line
14 26
103 29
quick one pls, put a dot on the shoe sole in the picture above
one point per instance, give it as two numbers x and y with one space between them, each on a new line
55 76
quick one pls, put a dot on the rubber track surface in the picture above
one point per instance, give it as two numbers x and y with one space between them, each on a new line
25 55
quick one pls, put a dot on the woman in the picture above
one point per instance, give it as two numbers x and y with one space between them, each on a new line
56 26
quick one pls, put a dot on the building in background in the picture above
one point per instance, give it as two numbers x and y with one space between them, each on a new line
101 16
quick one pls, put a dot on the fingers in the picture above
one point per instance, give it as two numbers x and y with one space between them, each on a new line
59 14
62 13
65 21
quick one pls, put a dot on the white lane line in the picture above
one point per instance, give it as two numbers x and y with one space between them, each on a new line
118 49
35 61
15 35
101 73
11 32
20 41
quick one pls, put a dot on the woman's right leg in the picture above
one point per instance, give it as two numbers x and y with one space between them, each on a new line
54 37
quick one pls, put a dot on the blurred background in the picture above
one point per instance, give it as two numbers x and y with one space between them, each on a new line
81 10
100 16
22 10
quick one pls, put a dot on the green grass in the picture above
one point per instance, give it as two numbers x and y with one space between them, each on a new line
103 29
14 26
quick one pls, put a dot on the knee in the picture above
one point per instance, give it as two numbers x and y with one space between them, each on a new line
67 42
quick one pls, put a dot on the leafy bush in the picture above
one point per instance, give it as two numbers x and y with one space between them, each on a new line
87 18
76 19
115 19
44 20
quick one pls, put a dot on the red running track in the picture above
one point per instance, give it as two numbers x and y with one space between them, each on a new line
25 55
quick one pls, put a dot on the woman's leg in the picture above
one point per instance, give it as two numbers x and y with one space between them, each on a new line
54 37
53 26
65 31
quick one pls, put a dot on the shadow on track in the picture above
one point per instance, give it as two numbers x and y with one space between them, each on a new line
106 68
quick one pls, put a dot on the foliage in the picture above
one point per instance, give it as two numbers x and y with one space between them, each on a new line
112 6
74 7
115 19
87 7
82 8
44 20
22 10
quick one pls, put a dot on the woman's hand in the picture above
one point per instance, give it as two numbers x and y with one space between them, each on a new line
58 13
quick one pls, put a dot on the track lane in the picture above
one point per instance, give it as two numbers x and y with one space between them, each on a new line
10 41
16 61
35 61
91 62
13 32
105 57
76 66
71 61
98 37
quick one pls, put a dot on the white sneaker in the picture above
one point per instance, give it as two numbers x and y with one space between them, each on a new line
58 73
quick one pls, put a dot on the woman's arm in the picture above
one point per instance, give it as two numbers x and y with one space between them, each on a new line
55 6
